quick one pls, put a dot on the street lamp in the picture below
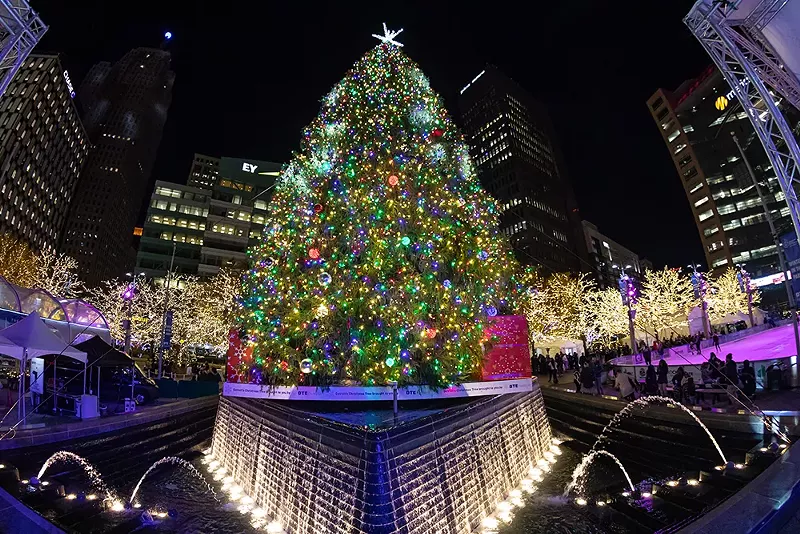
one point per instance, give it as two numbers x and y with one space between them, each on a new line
128 294
743 277
627 290
700 288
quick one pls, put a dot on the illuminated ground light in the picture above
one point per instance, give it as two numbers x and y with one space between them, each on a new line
117 506
91 497
783 445
739 466
2 466
626 493
137 505
693 482
162 515
71 497
45 483
719 467
600 503
672 483
25 481
580 501
646 495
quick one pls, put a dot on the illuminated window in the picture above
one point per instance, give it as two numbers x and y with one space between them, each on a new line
726 209
711 231
701 202
696 188
719 262
674 135
705 215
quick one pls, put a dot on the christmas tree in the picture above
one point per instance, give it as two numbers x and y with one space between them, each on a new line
381 259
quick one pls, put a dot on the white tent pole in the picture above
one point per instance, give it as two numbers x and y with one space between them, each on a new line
84 376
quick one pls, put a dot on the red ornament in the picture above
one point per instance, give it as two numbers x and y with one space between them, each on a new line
437 132
393 180
313 253
318 208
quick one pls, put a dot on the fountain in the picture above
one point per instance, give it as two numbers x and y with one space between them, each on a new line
89 469
644 401
175 461
580 469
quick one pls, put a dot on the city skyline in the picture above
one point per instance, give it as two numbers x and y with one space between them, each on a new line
269 86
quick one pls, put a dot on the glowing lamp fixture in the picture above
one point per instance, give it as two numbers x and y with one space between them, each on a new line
167 35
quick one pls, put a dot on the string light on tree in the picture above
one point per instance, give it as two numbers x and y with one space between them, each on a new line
395 278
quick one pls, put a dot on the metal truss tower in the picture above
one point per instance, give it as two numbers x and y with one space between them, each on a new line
20 30
732 32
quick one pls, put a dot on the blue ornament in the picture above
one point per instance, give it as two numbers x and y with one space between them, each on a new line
482 255
491 311
447 283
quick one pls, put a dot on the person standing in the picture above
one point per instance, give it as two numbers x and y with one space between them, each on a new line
663 371
587 379
576 379
651 380
731 378
553 371
646 353
716 342
543 369
677 384
560 363
748 380
689 390
598 374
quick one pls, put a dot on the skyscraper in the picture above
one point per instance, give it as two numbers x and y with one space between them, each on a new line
696 121
208 227
204 173
43 147
124 109
512 144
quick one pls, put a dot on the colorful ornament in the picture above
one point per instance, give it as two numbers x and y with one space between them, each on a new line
306 365
483 255
393 180
324 278
491 311
437 133
313 253
389 362
318 208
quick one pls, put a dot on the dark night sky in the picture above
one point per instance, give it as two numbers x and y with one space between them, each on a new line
250 76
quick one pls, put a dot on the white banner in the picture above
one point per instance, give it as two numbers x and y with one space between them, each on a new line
357 393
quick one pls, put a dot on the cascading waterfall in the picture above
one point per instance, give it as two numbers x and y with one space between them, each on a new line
580 470
89 469
653 399
175 461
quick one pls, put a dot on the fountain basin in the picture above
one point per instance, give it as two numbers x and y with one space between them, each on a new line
437 468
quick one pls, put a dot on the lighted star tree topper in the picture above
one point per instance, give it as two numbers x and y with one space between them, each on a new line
381 260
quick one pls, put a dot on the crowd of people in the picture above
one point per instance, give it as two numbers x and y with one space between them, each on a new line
588 377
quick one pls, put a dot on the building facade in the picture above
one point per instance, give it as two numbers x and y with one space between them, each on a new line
204 173
513 147
697 122
609 259
43 148
207 228
124 108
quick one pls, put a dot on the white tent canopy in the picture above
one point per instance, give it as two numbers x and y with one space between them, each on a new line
32 335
